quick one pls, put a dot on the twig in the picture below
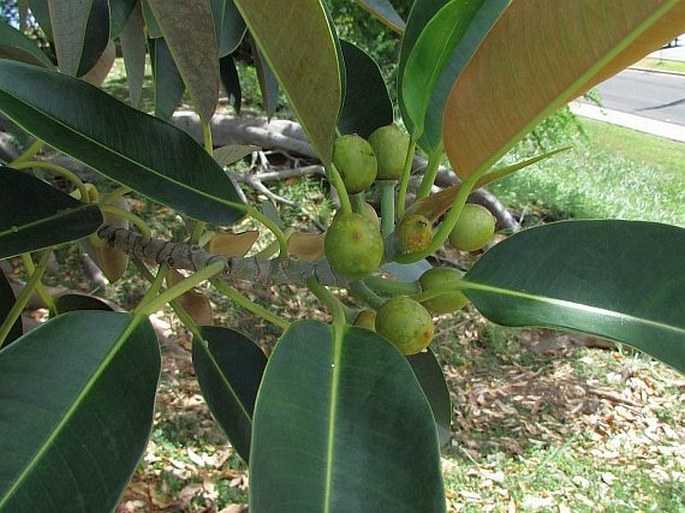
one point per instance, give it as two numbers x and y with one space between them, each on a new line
613 397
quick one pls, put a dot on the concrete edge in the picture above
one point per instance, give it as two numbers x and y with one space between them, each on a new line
641 124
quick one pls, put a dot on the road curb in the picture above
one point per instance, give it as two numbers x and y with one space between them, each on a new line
641 124
660 71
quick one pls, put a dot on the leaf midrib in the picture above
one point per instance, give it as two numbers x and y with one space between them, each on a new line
63 213
111 150
69 413
338 337
570 305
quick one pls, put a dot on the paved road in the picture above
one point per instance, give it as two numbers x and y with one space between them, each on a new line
657 96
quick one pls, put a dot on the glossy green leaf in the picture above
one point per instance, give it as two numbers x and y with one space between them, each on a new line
367 104
621 280
134 49
151 24
169 86
35 215
268 84
7 301
440 53
407 272
16 46
188 29
229 26
135 149
421 13
227 155
385 12
78 397
120 10
304 60
41 12
233 29
231 82
77 301
80 29
229 368
538 56
429 374
341 424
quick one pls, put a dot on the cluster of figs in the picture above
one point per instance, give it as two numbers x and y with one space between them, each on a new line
354 246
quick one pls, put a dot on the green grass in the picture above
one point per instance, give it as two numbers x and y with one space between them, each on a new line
653 64
614 173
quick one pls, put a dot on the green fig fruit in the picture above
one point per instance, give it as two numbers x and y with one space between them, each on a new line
391 145
415 233
366 319
355 160
405 323
474 229
353 246
441 277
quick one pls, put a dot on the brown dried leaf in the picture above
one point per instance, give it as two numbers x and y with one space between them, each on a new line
307 246
232 244
193 302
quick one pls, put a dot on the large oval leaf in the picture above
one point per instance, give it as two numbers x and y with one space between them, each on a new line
229 368
422 11
130 147
540 55
77 402
134 49
367 104
80 29
443 48
231 82
188 29
304 60
342 425
35 215
429 375
120 10
229 26
622 280
16 46
169 86
41 12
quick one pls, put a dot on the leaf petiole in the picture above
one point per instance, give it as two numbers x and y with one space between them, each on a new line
248 305
404 182
23 299
332 303
58 170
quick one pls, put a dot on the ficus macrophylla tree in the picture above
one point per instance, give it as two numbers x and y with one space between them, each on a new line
339 417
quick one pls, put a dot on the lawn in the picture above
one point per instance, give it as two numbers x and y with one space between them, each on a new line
670 66
612 172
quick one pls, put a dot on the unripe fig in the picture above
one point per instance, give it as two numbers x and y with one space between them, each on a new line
355 160
391 145
440 277
474 229
353 246
414 233
370 212
366 319
406 324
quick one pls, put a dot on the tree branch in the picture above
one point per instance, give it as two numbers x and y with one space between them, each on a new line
191 257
